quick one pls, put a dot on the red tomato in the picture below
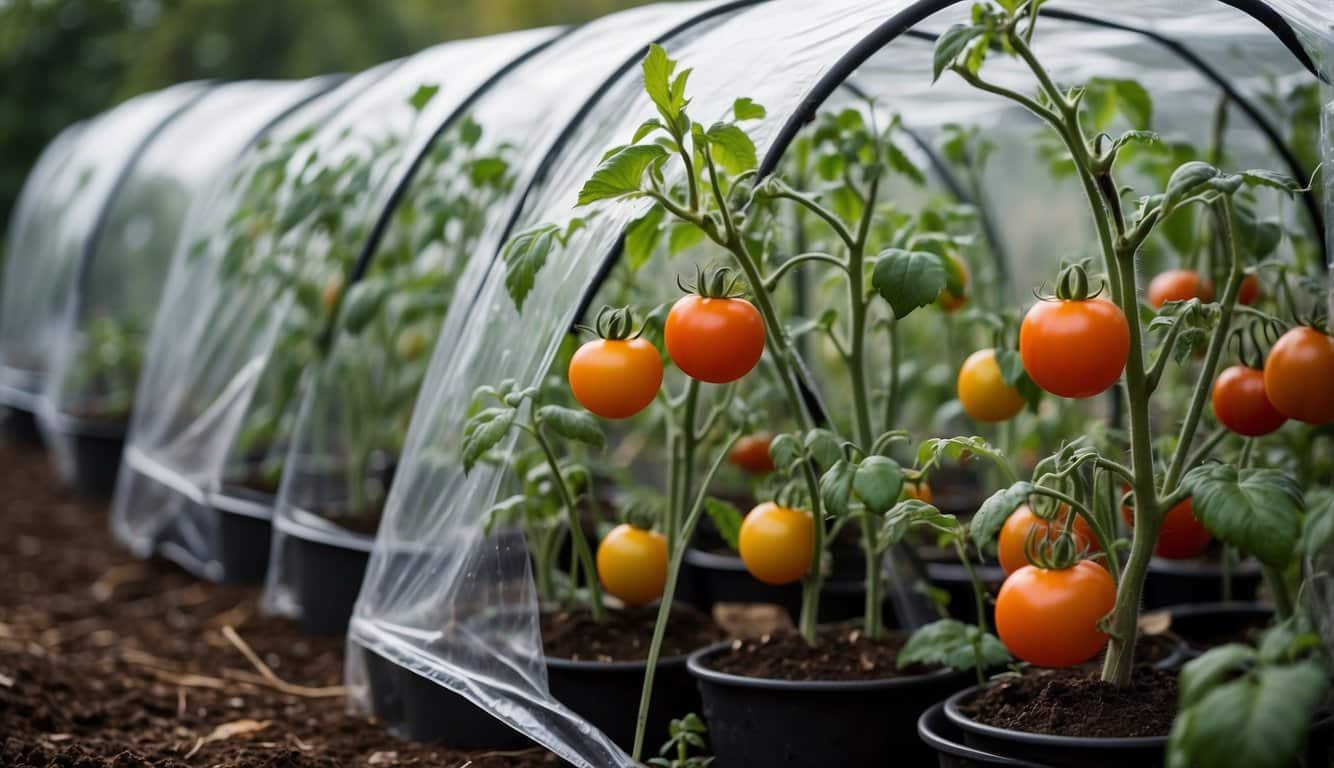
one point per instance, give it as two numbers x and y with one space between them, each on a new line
1179 285
751 453
1249 290
616 379
1050 617
1241 405
714 340
1298 375
1075 348
1182 536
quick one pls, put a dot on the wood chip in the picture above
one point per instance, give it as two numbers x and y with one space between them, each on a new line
236 728
1155 622
6 681
383 758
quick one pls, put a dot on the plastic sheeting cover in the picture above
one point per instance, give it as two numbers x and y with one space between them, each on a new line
242 315
38 272
355 409
450 602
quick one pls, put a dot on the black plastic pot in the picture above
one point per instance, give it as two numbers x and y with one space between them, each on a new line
1054 751
245 532
95 449
713 578
938 733
757 723
1202 626
607 695
20 427
434 713
329 564
384 680
1178 582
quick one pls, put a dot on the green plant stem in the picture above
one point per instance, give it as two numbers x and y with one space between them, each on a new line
873 623
979 604
813 582
1278 588
581 549
688 443
861 400
669 594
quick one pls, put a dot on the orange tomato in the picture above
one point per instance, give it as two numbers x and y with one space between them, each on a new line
982 389
1050 617
615 379
777 544
632 564
714 340
1012 544
1179 285
953 302
1075 348
751 453
1298 372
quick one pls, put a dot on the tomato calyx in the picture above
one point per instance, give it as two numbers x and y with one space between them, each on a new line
714 283
1055 553
614 324
1072 284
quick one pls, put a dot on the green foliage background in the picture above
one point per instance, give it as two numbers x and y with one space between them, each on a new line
64 60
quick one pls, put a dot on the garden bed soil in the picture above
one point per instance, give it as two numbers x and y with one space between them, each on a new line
108 661
842 654
624 635
1074 702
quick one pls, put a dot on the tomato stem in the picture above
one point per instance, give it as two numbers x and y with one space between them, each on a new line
669 594
577 538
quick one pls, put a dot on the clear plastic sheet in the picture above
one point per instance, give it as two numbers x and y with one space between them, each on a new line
450 602
98 348
253 290
356 406
62 217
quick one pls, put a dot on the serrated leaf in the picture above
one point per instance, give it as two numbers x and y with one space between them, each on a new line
658 68
1271 179
909 279
524 256
483 432
571 424
732 148
836 488
1188 179
877 482
642 237
727 519
621 174
950 45
1258 511
899 161
645 128
909 513
954 644
993 513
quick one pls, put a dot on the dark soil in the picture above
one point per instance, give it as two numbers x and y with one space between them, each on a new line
624 635
843 653
109 661
1204 638
1074 702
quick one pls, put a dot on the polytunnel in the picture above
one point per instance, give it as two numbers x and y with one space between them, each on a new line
451 593
80 173
356 405
100 334
245 311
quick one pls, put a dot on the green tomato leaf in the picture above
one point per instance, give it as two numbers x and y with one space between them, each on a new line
621 174
877 482
572 424
524 256
727 519
732 148
909 279
1188 179
948 47
1318 526
1271 179
784 450
642 237
909 513
825 447
1258 511
483 432
993 513
954 644
1259 720
836 488
745 108
684 236
1202 674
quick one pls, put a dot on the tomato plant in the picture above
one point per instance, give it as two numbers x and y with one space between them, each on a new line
632 564
617 375
777 544
1179 285
1075 345
1241 404
983 390
1297 373
751 453
714 335
1050 616
1023 525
